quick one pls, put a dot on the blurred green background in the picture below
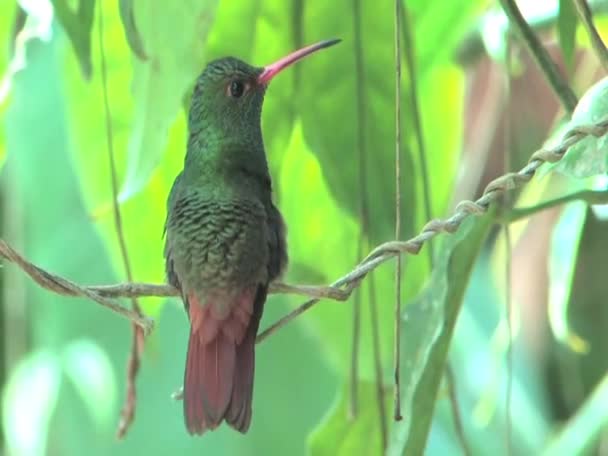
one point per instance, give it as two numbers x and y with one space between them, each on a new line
469 115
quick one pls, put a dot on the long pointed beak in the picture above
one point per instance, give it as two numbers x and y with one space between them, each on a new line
270 71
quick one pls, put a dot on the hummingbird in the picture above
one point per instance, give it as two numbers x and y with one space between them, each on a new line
225 238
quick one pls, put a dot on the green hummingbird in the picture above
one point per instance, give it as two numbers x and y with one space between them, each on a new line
225 238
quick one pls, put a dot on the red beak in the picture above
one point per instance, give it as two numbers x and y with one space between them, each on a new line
270 71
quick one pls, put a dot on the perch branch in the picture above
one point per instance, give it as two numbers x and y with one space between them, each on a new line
341 289
66 287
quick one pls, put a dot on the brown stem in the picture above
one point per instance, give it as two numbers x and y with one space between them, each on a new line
540 54
586 17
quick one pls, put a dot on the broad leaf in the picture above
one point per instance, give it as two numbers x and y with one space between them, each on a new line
589 157
159 83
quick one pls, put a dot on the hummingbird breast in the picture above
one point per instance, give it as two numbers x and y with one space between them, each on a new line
218 245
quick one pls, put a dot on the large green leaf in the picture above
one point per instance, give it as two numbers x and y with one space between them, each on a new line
428 324
159 83
333 88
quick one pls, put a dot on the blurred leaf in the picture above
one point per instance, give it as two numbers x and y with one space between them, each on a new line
131 32
562 265
582 431
428 324
89 368
29 399
78 25
174 61
332 88
566 30
339 435
589 156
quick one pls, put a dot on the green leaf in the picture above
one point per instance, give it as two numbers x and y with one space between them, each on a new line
78 25
562 266
428 324
589 157
131 32
566 30
28 402
332 87
174 61
340 435
582 431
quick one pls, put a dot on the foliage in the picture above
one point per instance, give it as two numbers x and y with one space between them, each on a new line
329 131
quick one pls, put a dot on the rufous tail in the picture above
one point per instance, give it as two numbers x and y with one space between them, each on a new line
218 381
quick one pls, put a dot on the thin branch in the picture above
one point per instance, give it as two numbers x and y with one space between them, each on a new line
66 287
128 290
410 63
586 17
540 54
397 329
363 204
127 413
346 284
353 404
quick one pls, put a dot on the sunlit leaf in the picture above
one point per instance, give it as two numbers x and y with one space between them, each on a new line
562 264
78 25
174 61
28 401
341 435
428 324
588 157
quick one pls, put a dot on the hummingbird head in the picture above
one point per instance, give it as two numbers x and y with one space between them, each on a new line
228 95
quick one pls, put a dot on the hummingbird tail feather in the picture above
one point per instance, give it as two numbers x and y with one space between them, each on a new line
219 366
239 411
208 381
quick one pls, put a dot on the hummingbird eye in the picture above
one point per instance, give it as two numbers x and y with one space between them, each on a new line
236 89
